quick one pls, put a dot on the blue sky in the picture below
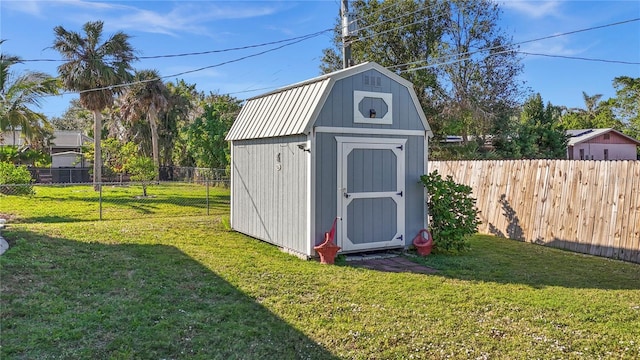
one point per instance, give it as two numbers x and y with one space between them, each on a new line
175 27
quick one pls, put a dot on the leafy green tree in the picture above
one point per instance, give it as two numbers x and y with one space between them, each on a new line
207 134
144 99
596 114
116 154
96 70
539 133
478 86
19 96
436 45
142 169
399 34
32 157
175 120
75 117
627 103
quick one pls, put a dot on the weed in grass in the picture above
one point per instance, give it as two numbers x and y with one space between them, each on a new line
226 222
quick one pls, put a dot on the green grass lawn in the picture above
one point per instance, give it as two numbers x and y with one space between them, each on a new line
181 286
58 203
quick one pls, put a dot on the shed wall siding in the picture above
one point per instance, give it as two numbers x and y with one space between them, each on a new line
338 110
271 204
327 187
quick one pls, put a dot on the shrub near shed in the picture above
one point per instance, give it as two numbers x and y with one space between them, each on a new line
452 211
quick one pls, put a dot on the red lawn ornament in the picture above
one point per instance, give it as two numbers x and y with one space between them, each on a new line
328 249
423 242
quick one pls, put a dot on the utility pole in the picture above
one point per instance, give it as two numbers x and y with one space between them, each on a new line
346 36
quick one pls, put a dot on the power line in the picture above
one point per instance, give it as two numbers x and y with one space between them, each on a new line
580 58
400 16
304 37
579 31
399 27
242 58
258 89
300 39
466 54
358 17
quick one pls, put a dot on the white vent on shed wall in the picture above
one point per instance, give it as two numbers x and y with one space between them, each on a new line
372 81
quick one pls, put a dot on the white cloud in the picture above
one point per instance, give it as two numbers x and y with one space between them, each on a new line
187 17
560 47
30 7
534 9
193 17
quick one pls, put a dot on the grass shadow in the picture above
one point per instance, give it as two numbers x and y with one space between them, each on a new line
58 209
131 301
495 259
50 219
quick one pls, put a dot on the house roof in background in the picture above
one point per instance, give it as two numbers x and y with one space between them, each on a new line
61 138
293 109
69 138
581 135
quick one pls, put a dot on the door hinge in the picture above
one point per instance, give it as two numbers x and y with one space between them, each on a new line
346 195
401 147
400 193
400 237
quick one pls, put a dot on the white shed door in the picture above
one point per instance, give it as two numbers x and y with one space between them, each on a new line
370 193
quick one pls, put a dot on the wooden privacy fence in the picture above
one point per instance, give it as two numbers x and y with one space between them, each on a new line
591 207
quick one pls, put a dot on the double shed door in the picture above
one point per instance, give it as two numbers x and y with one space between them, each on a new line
371 194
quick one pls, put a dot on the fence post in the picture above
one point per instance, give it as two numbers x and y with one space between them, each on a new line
100 201
207 197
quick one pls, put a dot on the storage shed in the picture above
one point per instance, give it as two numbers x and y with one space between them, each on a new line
349 145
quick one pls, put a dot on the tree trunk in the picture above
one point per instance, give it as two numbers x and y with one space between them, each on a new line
97 149
153 123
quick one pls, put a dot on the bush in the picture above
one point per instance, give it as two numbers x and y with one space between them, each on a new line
452 211
11 174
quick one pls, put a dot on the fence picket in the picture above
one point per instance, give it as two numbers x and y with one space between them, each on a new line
585 206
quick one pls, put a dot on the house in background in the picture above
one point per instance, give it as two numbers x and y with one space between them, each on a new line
67 159
601 144
66 149
62 141
350 145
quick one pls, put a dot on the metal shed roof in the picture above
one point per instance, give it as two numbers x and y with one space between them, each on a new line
292 110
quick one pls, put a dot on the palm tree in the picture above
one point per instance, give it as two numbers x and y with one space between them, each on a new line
181 110
19 95
591 103
95 70
147 97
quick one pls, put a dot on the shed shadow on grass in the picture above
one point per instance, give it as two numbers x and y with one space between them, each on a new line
68 299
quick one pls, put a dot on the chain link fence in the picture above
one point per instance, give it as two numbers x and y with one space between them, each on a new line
197 193
75 175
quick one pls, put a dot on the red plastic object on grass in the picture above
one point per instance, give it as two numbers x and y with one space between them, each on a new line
328 249
423 242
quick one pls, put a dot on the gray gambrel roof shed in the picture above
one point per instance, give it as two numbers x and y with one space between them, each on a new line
347 147
292 110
